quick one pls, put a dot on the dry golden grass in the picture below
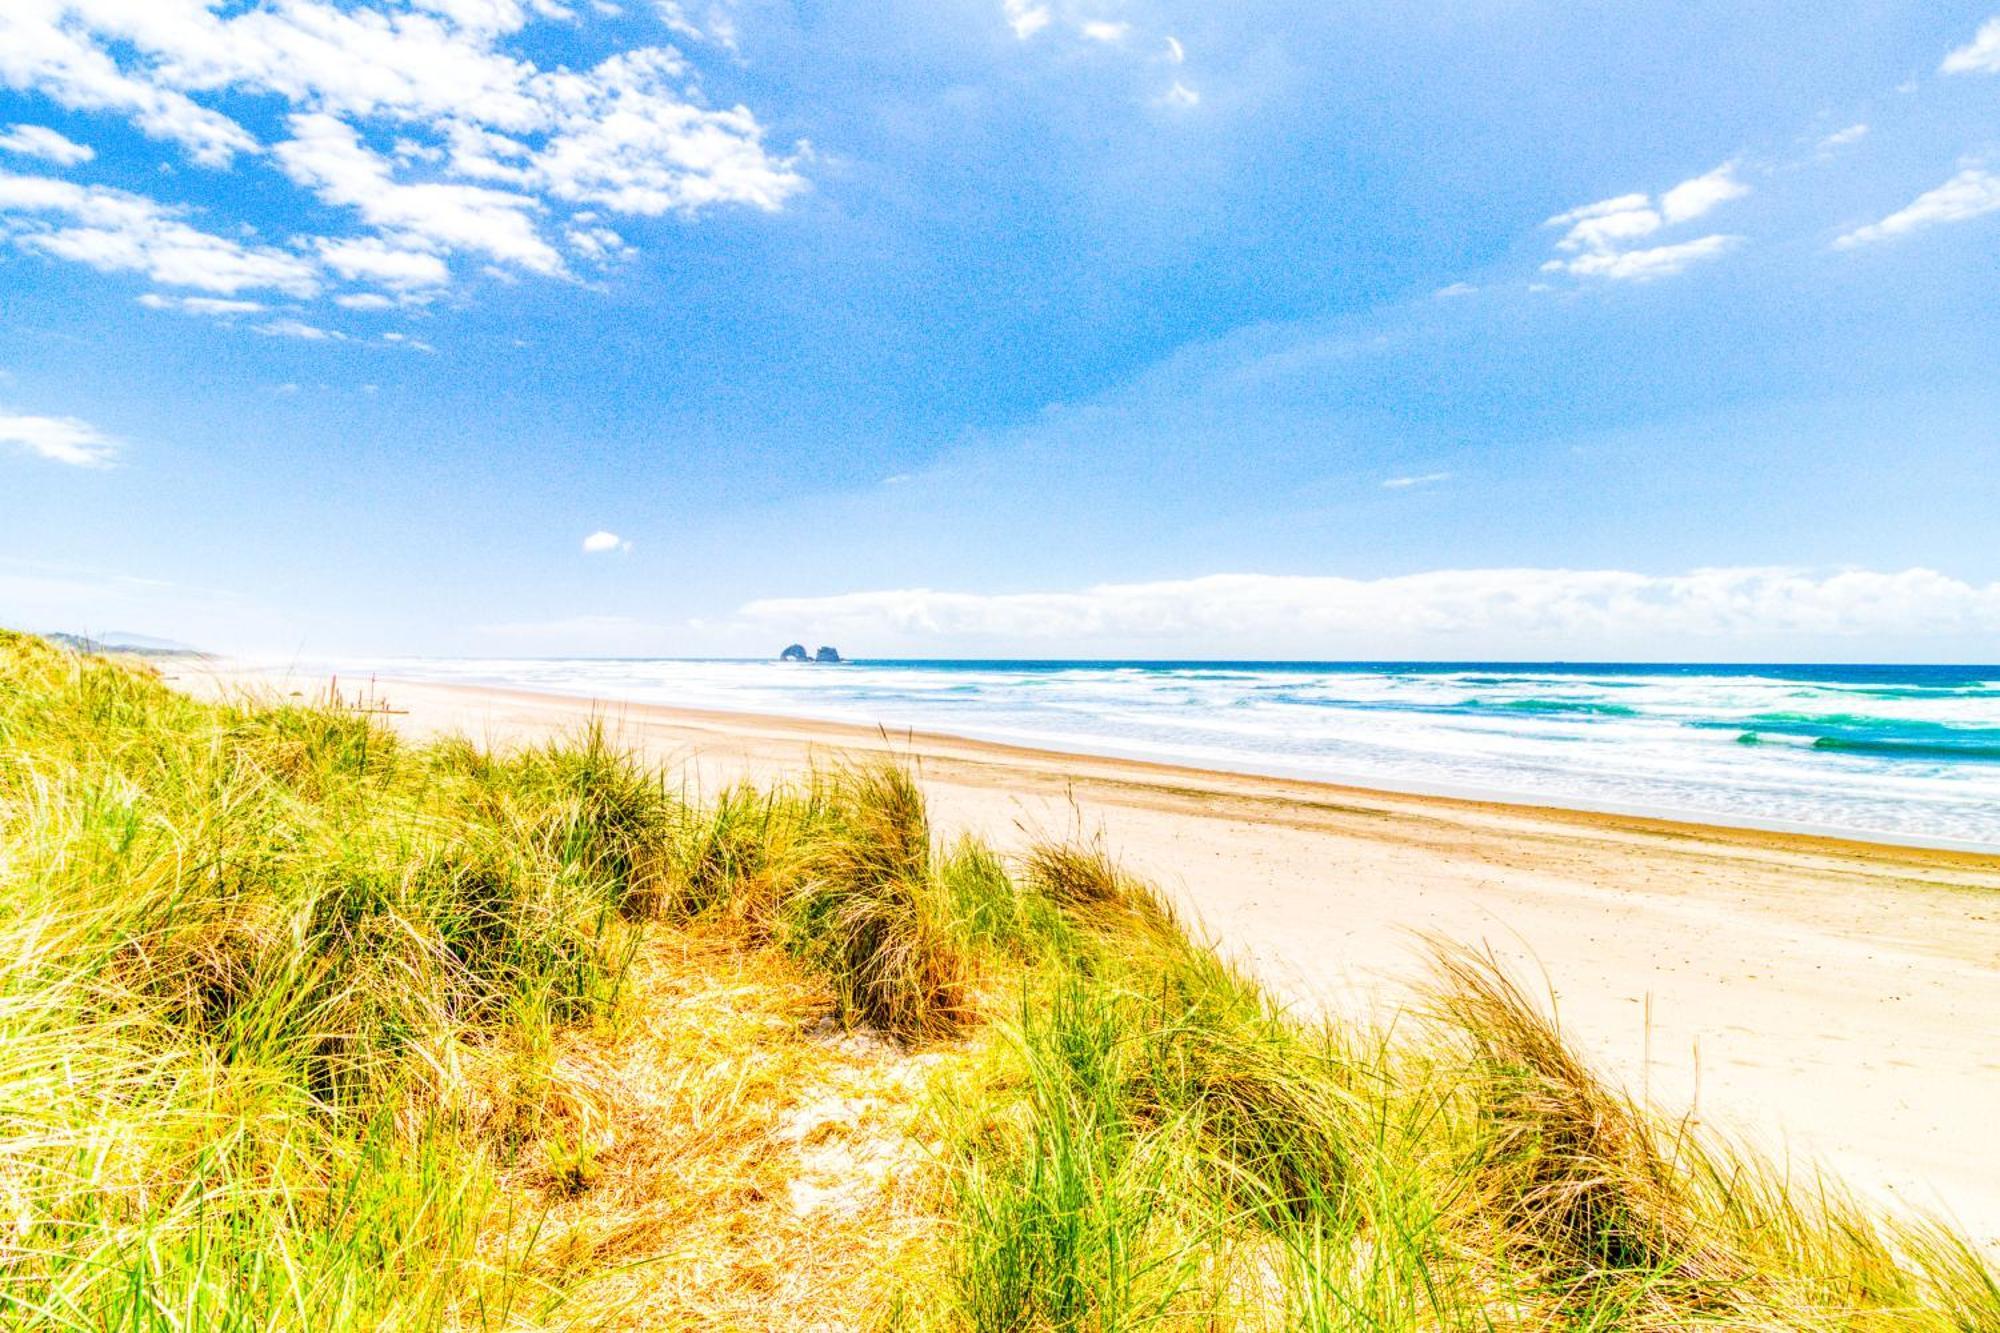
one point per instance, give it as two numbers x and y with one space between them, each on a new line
717 1153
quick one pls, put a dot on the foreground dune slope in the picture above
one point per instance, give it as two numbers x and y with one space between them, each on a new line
309 1025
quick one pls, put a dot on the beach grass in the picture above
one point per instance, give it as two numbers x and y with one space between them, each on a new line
307 1026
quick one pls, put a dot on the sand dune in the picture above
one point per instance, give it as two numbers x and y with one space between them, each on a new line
1831 1000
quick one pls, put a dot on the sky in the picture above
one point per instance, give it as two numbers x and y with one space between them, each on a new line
1024 328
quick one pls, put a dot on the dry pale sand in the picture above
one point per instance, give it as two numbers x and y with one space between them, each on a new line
1835 1001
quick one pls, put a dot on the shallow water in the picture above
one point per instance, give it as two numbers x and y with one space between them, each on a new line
1902 752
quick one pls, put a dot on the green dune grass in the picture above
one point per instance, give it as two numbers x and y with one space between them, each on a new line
303 1026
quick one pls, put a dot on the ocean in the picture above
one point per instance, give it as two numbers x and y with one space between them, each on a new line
1905 753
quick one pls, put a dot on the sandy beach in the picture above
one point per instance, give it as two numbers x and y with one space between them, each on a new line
1828 1000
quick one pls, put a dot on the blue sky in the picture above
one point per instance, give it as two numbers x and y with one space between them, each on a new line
1018 327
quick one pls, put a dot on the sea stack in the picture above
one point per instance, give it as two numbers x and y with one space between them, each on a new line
826 654
795 653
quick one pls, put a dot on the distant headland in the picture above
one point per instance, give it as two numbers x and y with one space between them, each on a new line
797 653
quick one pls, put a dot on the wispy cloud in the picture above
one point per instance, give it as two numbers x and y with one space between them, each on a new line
1696 198
600 542
1979 56
1425 479
214 307
1660 261
59 439
1026 17
1603 239
299 329
116 231
1973 192
1841 138
44 143
1047 21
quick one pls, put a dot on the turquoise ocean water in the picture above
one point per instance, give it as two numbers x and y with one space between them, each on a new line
1900 752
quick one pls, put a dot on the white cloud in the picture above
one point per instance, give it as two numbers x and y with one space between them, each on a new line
1841 138
43 142
114 231
1979 56
1025 17
1180 95
370 259
327 156
1455 289
295 328
629 141
364 301
1661 261
1694 198
59 439
716 26
45 48
1480 609
212 306
1102 30
490 145
1602 236
1176 53
1425 479
599 542
1972 193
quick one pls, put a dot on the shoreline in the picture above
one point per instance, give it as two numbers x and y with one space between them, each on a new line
1826 998
861 735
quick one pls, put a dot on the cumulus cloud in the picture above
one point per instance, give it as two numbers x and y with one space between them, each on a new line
43 142
327 156
1973 192
1103 30
59 439
600 541
1477 610
1979 56
1841 138
490 148
115 231
47 47
371 259
1602 239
